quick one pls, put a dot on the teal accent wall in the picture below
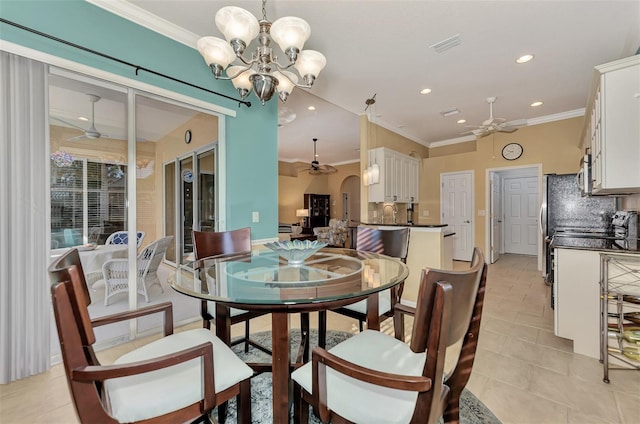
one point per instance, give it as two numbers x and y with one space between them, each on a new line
251 137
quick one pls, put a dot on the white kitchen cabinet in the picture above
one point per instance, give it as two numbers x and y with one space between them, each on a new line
577 299
612 127
399 177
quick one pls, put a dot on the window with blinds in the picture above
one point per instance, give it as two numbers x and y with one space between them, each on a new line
76 217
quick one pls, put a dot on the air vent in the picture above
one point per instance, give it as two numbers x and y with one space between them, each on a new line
450 112
446 44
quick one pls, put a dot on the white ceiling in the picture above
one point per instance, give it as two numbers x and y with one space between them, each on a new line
382 47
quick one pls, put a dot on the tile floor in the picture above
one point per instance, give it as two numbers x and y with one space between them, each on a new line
522 372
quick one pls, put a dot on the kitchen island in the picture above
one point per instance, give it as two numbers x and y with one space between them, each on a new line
429 246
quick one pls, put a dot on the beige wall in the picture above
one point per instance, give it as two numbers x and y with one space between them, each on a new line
554 145
292 188
631 203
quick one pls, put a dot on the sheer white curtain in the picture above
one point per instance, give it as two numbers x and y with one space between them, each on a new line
25 312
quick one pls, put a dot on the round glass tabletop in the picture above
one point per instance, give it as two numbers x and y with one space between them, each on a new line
263 278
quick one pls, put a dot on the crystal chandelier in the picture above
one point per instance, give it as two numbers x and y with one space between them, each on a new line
262 73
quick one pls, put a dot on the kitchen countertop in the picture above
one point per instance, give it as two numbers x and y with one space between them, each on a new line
407 225
599 244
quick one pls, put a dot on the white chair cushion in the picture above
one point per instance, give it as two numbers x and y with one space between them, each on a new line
384 304
211 309
155 393
363 402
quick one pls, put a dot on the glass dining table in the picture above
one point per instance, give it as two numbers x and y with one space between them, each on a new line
262 281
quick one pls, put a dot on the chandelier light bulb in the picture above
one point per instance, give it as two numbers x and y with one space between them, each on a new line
286 83
216 53
309 65
237 24
290 33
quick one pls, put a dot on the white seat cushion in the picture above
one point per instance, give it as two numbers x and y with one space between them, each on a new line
211 309
363 402
384 304
155 393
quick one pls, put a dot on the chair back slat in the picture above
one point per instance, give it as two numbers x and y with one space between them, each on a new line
394 243
210 243
465 288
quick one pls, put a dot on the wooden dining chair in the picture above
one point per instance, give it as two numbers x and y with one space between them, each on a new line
394 243
373 377
463 338
209 243
181 377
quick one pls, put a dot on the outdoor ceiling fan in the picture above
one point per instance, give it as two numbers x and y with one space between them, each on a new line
493 125
90 133
315 168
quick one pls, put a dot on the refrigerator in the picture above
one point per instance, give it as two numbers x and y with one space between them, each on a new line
564 208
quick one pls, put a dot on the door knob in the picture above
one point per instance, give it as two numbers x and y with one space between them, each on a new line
467 222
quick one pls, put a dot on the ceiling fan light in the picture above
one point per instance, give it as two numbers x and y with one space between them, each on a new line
216 51
310 63
290 33
236 23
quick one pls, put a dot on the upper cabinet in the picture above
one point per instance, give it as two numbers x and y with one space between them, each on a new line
399 177
612 127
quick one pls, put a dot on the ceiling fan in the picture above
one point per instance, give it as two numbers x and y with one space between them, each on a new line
315 168
493 125
90 133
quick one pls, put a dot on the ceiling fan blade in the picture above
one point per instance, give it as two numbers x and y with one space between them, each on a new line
507 129
66 123
80 137
328 169
516 123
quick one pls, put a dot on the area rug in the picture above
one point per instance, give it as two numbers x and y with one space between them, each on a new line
472 410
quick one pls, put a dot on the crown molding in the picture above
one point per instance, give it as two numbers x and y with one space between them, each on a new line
556 117
141 17
452 141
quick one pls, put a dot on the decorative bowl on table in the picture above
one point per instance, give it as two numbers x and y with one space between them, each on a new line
296 251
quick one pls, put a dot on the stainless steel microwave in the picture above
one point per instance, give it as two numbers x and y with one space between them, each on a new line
583 177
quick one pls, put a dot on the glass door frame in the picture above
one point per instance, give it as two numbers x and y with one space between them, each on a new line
178 195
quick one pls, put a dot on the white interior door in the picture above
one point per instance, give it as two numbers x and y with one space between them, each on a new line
456 202
496 217
521 215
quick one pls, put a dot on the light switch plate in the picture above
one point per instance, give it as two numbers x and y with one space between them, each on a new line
482 212
255 216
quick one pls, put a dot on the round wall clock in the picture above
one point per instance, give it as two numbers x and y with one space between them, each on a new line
512 151
187 136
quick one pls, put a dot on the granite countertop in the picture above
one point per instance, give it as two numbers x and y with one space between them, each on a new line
407 225
600 244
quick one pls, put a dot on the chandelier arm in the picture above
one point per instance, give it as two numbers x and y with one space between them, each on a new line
284 68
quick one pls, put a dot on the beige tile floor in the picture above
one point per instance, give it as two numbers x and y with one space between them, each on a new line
522 372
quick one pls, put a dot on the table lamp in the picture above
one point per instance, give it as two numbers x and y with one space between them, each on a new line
302 213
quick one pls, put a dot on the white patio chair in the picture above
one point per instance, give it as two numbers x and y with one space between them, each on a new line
122 237
116 271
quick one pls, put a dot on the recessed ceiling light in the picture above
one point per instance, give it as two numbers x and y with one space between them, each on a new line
461 121
536 104
425 91
524 59
311 108
82 118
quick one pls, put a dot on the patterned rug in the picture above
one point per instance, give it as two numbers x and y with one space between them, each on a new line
472 411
